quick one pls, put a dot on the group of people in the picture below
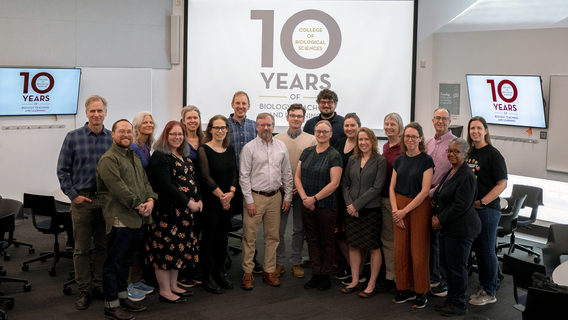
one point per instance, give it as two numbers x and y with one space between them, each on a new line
167 203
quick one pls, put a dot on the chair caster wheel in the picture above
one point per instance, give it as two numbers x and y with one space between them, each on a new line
31 250
9 304
2 273
52 273
25 267
27 287
7 257
67 291
537 260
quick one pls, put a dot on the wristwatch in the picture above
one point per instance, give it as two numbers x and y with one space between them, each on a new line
316 199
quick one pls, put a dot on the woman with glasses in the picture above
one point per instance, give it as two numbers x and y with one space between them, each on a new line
362 183
411 180
172 243
491 171
218 171
191 118
345 146
317 178
458 223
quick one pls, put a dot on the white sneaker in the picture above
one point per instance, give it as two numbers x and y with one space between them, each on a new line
482 299
474 296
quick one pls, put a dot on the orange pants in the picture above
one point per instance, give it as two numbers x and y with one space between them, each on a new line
412 247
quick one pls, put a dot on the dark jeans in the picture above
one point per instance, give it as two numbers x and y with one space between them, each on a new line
437 261
123 245
215 226
484 247
456 256
319 226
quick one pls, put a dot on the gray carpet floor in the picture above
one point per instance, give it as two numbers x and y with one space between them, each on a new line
46 300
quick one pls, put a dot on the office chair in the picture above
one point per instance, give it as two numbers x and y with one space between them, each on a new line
544 304
53 222
556 245
522 272
534 200
15 207
508 223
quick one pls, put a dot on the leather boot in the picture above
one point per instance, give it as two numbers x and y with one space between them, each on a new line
221 279
210 285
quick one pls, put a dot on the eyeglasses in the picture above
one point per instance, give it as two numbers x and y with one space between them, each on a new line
455 152
328 102
293 116
413 138
172 134
322 131
124 132
445 119
264 125
219 128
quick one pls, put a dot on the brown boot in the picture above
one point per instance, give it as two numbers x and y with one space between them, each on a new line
271 279
247 281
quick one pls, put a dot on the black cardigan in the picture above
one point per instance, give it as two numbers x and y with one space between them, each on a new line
454 205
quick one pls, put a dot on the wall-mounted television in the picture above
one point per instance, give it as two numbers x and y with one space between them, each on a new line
39 91
507 99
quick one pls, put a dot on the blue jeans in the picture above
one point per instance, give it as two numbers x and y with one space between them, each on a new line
484 247
456 256
436 261
297 234
123 245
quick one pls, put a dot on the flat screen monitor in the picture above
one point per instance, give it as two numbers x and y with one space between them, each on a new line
507 100
39 91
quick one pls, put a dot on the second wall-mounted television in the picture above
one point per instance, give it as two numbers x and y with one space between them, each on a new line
507 99
39 91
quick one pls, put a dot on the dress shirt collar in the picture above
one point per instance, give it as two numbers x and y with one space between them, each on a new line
88 130
446 136
294 135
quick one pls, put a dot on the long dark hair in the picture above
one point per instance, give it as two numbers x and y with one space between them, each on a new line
469 140
417 127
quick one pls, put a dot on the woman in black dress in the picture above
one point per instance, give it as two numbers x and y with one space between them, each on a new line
218 168
362 183
172 244
345 146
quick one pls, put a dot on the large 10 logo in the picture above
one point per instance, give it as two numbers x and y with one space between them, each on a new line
41 83
309 39
507 91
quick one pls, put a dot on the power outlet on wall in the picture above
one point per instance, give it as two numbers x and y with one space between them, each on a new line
543 135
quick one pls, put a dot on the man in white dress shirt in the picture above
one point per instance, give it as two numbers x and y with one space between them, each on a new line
264 168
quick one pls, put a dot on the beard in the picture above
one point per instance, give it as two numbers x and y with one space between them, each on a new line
266 135
327 115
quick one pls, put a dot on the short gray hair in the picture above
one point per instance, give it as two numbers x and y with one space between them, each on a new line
463 146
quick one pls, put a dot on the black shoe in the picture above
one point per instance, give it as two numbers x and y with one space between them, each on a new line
84 300
257 267
324 284
187 283
98 294
454 310
439 307
117 314
221 278
210 285
404 296
314 282
129 305
186 293
421 300
164 299
385 286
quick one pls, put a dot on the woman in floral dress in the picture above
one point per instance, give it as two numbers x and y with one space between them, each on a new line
172 244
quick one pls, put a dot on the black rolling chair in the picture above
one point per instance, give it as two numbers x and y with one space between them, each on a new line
48 220
522 272
556 245
544 304
15 207
508 222
534 200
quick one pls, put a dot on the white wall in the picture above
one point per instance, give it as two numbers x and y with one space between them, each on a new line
451 56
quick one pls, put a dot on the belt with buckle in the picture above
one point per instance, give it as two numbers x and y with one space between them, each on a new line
266 194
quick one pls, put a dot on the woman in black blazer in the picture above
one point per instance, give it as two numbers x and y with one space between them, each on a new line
362 182
458 223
